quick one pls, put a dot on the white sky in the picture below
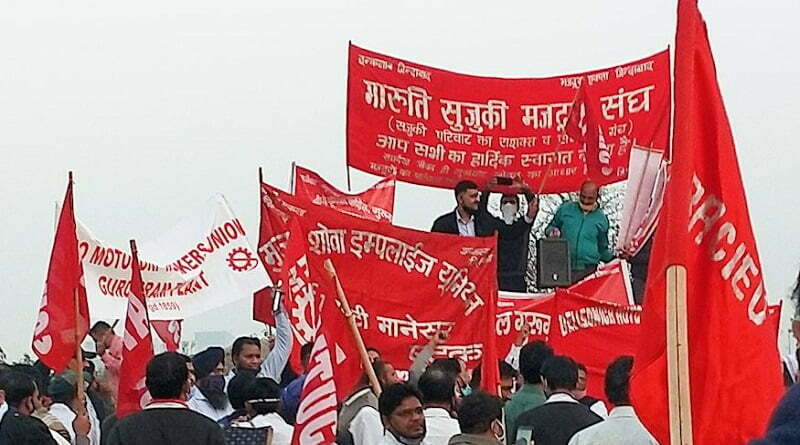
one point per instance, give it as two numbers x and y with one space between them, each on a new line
156 105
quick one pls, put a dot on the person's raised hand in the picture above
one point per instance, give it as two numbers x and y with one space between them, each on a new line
522 336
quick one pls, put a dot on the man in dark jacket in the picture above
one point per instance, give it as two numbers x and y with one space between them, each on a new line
166 420
480 417
471 217
561 416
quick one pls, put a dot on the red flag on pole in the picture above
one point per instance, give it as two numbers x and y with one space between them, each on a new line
335 365
375 203
584 126
60 327
169 331
138 347
705 228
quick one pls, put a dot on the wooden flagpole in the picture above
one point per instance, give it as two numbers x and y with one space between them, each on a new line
680 407
79 358
351 320
78 340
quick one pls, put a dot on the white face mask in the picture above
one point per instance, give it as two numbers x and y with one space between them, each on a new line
509 211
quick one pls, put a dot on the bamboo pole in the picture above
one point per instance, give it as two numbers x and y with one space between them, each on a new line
78 357
351 320
680 408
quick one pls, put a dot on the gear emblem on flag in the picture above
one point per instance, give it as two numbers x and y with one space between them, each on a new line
240 259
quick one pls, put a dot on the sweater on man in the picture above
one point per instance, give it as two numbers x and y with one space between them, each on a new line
553 423
166 424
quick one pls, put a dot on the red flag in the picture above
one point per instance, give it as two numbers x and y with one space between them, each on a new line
611 283
138 347
169 331
490 374
705 227
375 203
334 349
277 209
62 323
583 126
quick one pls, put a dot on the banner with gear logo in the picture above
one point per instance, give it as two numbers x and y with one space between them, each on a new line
203 263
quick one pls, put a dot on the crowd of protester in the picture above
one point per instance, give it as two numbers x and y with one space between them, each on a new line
197 400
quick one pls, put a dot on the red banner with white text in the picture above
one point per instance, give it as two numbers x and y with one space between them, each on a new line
375 203
427 282
434 127
594 333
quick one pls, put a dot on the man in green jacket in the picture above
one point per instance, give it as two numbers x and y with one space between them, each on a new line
585 227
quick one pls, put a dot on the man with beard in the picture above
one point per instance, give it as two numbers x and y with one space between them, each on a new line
359 421
403 418
210 398
585 227
472 218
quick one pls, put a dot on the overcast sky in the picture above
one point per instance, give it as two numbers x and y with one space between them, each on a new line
156 105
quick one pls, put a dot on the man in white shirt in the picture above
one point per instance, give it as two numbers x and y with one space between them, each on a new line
438 395
622 427
246 351
403 418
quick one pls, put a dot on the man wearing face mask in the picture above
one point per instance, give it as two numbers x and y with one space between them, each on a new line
480 417
210 398
472 218
585 227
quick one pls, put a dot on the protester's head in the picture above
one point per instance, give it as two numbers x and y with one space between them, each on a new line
102 334
531 358
588 196
468 196
580 387
246 353
438 389
508 380
62 388
400 406
237 388
263 397
559 374
458 370
373 354
617 384
385 373
190 369
508 377
167 377
19 391
42 382
509 206
209 362
481 414
305 355
210 371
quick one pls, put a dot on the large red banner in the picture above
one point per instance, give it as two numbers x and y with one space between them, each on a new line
375 203
433 127
427 282
593 333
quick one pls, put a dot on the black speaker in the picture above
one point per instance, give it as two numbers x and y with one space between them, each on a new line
552 263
